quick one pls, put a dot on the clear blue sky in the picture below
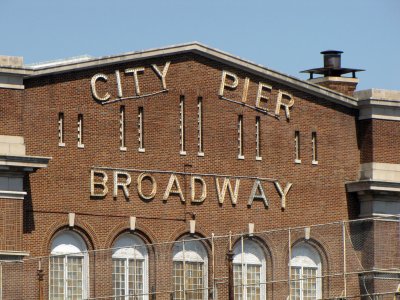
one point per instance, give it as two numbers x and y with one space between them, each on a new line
284 35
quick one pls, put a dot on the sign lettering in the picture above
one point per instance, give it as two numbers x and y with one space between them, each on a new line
122 181
161 74
229 81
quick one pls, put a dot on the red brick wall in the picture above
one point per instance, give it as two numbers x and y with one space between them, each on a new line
11 224
11 116
317 196
379 141
346 88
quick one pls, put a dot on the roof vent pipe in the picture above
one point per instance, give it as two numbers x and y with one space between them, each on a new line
332 59
331 74
332 66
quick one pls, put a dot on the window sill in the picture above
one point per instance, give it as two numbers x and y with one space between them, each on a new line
297 161
314 162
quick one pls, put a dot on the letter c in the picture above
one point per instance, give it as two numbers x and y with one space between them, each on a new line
93 86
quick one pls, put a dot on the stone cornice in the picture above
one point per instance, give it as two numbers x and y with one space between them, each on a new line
379 104
373 185
26 163
378 189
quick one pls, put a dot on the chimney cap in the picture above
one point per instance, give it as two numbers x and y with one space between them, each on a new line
332 66
331 52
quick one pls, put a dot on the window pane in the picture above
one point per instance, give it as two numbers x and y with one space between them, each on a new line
253 282
309 283
74 278
118 277
194 280
194 285
178 280
237 281
135 280
57 278
304 283
295 283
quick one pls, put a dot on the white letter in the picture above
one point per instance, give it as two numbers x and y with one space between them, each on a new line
124 185
93 86
261 196
119 87
262 86
141 177
135 72
177 191
225 186
286 106
101 183
245 89
283 193
203 189
233 85
162 74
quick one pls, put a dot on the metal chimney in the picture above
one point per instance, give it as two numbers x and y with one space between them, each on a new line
332 58
332 66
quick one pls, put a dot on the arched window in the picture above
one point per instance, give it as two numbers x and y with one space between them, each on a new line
190 265
68 273
249 270
305 266
130 268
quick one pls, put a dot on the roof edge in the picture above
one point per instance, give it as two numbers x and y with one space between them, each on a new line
193 47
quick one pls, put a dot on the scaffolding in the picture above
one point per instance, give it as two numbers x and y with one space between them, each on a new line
359 259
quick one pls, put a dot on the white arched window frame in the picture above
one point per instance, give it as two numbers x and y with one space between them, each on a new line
68 268
190 270
249 270
130 268
306 271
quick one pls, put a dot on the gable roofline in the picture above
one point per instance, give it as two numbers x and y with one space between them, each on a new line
194 47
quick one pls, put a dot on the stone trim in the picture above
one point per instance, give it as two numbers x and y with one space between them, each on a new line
379 113
197 48
11 82
369 185
378 94
12 195
378 189
13 253
334 79
379 104
380 172
12 86
34 162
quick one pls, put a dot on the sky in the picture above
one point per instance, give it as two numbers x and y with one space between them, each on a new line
283 35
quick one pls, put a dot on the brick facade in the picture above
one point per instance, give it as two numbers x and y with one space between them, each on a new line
318 194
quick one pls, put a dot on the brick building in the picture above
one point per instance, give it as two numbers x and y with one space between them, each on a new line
188 173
